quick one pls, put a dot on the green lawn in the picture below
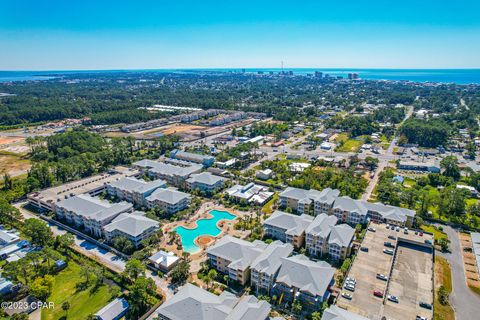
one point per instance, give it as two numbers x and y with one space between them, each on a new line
267 208
437 234
82 302
350 145
443 276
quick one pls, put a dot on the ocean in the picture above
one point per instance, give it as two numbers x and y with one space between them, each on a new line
459 76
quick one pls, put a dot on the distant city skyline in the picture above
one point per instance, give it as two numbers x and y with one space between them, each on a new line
86 35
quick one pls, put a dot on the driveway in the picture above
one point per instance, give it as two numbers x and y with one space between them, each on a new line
464 301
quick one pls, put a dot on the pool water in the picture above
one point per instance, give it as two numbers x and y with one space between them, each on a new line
204 227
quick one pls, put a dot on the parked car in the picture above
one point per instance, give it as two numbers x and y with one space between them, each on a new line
425 305
372 229
392 237
392 298
397 229
389 244
365 249
349 287
378 293
388 226
420 318
347 295
382 277
352 280
388 251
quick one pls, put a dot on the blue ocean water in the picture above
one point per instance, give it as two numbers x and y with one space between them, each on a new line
460 76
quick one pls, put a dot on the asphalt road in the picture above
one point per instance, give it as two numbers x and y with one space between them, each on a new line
465 303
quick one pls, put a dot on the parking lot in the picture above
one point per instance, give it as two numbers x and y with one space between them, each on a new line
410 279
411 282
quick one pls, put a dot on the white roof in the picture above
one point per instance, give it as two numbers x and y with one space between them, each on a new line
165 259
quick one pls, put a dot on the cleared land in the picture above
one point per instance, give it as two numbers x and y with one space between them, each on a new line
470 263
82 302
14 164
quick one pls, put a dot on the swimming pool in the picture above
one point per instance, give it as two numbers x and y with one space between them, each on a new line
204 227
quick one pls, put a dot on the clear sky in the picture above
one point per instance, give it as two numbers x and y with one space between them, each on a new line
142 34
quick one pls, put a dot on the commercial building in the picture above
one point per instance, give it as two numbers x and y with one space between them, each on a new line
134 226
429 166
250 192
202 159
168 200
264 268
90 214
205 182
134 190
192 302
45 200
287 227
233 257
175 172
302 279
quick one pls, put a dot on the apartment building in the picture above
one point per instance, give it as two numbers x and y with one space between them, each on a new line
233 257
340 241
306 201
300 278
90 214
336 313
134 226
134 190
192 302
205 182
317 234
169 200
287 227
264 268
175 172
202 159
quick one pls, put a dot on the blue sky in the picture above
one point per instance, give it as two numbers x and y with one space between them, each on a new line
136 34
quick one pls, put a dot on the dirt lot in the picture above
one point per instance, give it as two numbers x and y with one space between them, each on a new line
411 283
14 164
174 128
469 261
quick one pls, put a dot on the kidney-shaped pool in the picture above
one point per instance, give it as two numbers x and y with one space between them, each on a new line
204 227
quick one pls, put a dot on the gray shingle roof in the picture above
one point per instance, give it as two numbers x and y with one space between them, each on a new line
194 303
137 185
322 225
93 208
170 196
293 224
269 261
327 195
173 168
250 308
336 313
341 235
350 205
306 275
113 309
205 178
239 252
132 224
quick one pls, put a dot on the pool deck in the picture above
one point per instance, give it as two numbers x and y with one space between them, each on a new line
226 227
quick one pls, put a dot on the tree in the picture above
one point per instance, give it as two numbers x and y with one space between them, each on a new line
141 297
443 295
316 315
38 232
66 306
180 272
452 201
211 275
444 244
19 316
7 182
296 307
133 269
450 167
371 163
41 288
64 241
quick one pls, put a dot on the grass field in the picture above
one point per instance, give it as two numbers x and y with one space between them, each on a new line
13 163
437 234
443 276
268 207
82 302
349 145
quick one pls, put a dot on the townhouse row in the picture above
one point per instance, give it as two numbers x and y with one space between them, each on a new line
272 269
346 209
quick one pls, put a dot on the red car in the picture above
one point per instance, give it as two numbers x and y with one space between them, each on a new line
378 293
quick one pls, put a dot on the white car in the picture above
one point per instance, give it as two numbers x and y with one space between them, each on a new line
420 318
347 295
372 229
388 225
388 251
349 287
382 277
393 299
351 280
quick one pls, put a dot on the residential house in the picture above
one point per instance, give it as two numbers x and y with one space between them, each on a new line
115 310
251 192
164 261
